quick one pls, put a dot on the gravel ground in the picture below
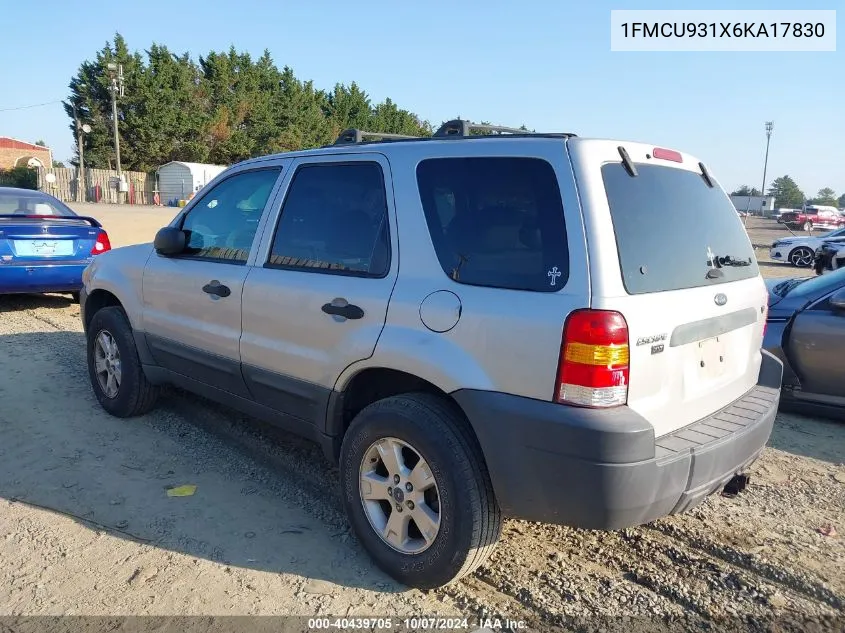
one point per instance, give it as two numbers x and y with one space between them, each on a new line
86 527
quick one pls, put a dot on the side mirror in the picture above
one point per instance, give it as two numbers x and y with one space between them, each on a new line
169 241
837 301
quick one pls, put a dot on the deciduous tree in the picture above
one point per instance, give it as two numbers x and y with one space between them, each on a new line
786 192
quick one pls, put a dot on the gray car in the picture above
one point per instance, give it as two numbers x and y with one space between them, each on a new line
806 331
472 327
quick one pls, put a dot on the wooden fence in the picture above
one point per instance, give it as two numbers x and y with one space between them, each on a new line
100 185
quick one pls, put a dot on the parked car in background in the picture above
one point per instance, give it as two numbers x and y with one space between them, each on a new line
800 250
777 212
805 329
44 244
811 217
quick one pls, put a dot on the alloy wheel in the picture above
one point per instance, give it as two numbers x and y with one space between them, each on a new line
400 496
802 257
107 363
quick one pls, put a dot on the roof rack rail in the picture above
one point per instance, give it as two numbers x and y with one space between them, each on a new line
462 129
353 135
459 127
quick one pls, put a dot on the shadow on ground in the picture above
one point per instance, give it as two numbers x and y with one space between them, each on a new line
264 500
11 303
782 266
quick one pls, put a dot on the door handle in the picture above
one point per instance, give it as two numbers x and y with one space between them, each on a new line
340 307
214 287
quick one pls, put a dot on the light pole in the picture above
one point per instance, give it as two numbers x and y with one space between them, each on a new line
769 126
116 88
81 128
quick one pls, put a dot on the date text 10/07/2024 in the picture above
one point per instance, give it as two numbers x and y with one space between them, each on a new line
471 625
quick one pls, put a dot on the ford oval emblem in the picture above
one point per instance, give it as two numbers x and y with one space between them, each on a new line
720 299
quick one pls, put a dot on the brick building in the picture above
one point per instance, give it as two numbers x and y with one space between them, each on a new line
15 153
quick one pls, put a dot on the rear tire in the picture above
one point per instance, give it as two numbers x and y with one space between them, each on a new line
469 520
131 394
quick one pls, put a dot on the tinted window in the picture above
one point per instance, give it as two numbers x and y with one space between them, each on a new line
496 221
671 229
334 220
222 224
31 203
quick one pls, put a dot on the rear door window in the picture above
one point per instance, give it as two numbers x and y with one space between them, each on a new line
672 230
334 221
496 221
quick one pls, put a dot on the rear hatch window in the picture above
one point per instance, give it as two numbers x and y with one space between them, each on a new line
673 231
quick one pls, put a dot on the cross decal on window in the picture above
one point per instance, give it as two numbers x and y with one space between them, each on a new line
554 273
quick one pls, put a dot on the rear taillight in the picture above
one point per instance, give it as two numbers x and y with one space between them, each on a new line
593 369
102 244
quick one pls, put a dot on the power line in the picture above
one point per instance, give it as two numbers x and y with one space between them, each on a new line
34 105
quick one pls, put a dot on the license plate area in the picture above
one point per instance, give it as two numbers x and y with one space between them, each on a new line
712 360
43 248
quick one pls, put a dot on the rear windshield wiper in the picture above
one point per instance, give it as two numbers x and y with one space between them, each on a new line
793 285
781 289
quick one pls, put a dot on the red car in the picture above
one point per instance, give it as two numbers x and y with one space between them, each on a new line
813 217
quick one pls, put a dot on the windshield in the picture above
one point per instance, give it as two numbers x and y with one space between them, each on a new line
812 286
31 203
673 231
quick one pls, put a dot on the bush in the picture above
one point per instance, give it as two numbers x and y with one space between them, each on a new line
21 177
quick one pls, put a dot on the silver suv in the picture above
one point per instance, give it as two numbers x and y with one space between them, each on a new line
514 324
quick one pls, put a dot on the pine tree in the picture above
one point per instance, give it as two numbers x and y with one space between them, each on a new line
224 108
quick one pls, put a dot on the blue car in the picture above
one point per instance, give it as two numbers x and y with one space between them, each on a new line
44 245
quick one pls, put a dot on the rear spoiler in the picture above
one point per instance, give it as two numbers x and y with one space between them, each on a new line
51 218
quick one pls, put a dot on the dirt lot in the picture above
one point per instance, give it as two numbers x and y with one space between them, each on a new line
87 528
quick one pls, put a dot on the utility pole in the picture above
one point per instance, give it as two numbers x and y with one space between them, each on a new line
769 126
116 88
80 148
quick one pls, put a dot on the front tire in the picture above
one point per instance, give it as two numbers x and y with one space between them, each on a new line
417 492
114 367
802 257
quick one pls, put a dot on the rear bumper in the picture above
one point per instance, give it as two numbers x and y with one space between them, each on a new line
65 277
604 469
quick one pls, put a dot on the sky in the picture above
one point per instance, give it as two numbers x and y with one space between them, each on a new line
545 64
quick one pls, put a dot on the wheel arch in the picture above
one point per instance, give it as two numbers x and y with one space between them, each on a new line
373 383
96 301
